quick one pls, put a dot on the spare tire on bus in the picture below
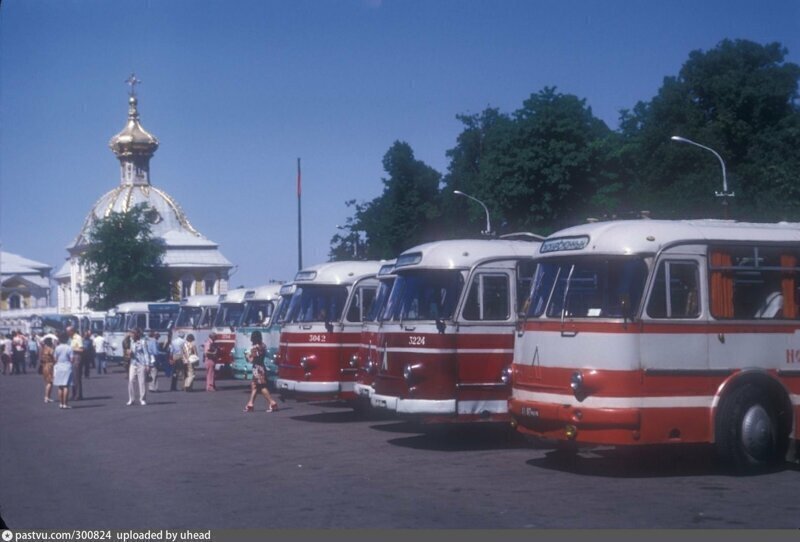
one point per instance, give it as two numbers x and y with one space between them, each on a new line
751 434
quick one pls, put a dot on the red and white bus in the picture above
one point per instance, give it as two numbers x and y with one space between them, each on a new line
446 336
657 332
196 316
365 361
229 316
322 329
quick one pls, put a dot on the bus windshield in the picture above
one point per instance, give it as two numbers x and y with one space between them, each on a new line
97 326
283 308
381 297
208 317
189 316
424 295
114 322
229 315
317 304
587 287
162 317
257 312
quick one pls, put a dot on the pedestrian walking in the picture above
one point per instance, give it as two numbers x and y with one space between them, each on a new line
88 356
127 351
176 360
152 367
191 359
76 343
63 369
5 357
33 351
19 345
140 360
48 360
100 353
210 354
257 356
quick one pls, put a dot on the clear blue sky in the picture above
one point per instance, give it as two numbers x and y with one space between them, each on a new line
237 90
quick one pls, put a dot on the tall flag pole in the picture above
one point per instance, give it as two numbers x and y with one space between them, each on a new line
299 222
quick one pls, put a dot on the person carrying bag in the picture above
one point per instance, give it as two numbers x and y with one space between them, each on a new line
191 359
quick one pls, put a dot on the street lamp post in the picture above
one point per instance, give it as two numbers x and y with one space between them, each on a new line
724 194
354 234
486 210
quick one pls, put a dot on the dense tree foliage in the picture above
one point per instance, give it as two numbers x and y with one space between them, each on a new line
551 163
404 215
124 261
535 169
739 99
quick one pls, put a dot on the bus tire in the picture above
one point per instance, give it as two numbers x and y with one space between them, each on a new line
748 431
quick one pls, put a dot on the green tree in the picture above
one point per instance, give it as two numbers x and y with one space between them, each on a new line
536 169
740 99
124 261
404 215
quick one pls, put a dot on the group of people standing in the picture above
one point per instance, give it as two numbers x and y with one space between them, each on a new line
66 359
17 352
142 353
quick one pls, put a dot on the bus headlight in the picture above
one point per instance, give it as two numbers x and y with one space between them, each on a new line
354 361
505 375
412 372
576 382
306 363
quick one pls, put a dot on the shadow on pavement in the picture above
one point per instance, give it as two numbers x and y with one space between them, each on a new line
347 416
640 462
460 438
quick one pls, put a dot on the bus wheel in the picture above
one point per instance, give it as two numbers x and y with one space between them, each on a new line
748 431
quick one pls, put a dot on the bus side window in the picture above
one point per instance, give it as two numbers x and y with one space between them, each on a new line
755 282
488 298
360 304
141 321
675 291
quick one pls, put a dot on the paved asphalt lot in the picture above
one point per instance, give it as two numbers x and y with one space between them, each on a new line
196 461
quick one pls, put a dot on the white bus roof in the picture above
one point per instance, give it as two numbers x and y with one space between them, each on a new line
649 236
462 253
141 306
234 296
268 291
200 301
346 272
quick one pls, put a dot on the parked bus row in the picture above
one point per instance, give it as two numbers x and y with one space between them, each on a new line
45 320
623 333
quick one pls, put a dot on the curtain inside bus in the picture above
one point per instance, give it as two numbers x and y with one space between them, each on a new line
721 285
789 261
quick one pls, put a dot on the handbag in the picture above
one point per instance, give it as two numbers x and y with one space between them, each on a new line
194 359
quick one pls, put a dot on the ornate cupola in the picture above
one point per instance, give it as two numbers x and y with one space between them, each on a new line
134 146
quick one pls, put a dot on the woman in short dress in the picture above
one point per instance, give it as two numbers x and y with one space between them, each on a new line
189 358
47 360
256 356
62 370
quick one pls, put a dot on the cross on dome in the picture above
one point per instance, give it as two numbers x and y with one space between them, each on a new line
132 81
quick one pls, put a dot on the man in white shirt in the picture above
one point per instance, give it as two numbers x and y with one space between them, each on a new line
177 361
100 353
140 362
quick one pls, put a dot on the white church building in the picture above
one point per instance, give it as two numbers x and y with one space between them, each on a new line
195 264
